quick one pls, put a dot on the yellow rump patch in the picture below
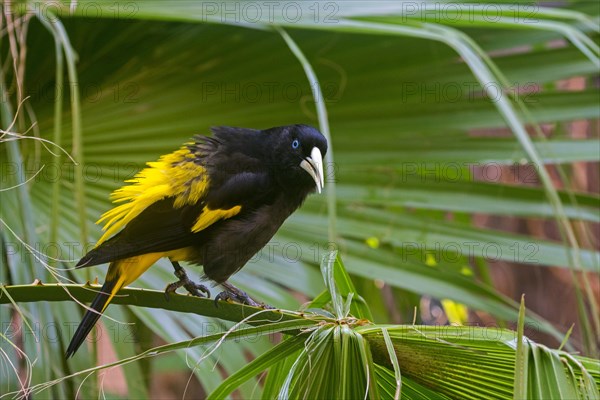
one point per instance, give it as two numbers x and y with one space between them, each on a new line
175 175
209 217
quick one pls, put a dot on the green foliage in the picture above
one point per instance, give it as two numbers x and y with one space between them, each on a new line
342 356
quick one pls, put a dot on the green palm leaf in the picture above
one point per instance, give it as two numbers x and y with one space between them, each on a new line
143 77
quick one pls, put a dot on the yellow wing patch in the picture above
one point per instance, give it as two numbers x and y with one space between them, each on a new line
174 174
209 217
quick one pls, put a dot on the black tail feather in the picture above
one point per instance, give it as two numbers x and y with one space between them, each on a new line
90 318
107 251
93 257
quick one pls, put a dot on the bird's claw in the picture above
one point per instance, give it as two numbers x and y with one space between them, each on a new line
192 287
238 296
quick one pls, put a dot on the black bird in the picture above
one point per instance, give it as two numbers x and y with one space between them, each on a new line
214 202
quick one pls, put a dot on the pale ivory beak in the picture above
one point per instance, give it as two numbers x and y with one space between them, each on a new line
314 166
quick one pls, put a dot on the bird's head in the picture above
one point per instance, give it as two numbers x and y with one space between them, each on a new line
297 156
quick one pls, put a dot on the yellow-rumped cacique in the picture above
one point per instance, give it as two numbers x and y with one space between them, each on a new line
215 202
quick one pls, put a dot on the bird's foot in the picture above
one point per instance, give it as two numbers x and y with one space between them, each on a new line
239 297
234 294
192 287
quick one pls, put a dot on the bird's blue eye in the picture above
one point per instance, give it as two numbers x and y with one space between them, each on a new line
295 144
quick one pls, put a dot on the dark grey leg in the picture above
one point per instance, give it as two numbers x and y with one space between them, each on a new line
192 287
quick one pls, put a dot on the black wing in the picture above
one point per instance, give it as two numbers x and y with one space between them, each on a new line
162 227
